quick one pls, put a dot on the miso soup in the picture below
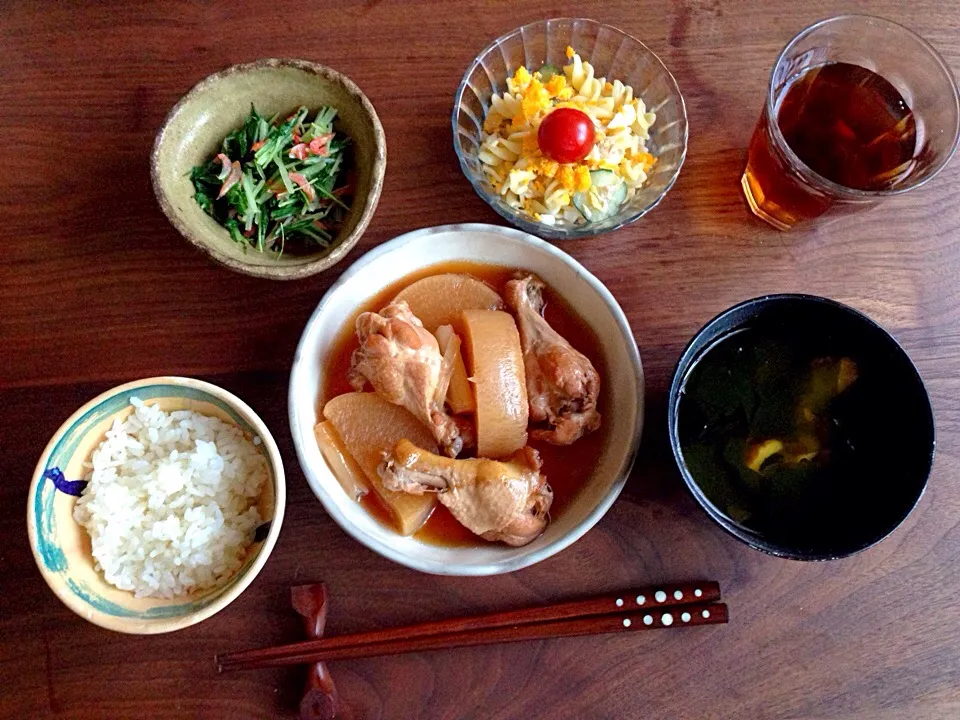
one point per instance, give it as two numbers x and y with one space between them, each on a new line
770 425
801 426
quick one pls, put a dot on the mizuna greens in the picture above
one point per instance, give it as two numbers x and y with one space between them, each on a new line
279 184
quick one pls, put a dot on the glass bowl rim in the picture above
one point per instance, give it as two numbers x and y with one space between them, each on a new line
512 215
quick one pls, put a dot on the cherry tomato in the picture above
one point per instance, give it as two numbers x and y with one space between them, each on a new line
566 135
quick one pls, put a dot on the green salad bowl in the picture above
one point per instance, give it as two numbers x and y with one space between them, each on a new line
217 106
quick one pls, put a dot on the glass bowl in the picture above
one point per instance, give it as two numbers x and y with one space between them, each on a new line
615 56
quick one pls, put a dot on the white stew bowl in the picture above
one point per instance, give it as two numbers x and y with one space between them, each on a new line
414 251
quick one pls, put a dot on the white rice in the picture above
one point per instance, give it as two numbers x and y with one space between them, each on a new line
170 503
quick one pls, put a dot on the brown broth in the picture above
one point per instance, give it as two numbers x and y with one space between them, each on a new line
565 467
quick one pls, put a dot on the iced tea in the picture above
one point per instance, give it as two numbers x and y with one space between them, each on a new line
858 109
847 124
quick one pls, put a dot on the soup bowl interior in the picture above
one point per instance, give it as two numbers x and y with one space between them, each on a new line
383 266
62 547
892 436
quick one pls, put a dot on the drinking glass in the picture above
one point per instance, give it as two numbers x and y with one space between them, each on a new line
780 188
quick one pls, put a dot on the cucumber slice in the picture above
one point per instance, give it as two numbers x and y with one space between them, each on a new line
617 197
603 178
548 71
580 203
611 188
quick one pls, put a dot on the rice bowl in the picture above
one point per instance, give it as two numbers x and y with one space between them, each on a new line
170 501
63 548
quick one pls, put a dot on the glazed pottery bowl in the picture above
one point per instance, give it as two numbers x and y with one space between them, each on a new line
615 56
893 438
62 547
217 106
488 244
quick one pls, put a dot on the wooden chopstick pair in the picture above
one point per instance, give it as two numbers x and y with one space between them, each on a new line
645 609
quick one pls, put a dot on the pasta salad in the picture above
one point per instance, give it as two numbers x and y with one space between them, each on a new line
565 147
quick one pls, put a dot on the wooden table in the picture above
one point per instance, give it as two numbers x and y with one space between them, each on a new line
97 288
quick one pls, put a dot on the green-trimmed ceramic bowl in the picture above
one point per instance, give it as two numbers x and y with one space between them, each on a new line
218 105
62 548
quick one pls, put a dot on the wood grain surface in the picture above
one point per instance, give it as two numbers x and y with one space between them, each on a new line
97 288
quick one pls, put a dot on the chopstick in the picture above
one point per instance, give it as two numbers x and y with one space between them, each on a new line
711 614
637 609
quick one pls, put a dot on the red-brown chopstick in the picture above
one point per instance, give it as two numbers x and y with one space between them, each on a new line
689 615
564 619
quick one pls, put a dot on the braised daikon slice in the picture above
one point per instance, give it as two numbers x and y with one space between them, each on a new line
345 469
459 393
496 367
440 299
370 426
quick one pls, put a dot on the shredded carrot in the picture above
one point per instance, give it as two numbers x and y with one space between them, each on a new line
304 185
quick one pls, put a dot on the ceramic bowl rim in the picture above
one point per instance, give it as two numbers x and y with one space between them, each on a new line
531 226
136 626
277 272
508 564
681 370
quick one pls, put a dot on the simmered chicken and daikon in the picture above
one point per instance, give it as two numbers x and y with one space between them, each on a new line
458 408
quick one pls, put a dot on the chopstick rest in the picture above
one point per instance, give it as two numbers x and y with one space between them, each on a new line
320 700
